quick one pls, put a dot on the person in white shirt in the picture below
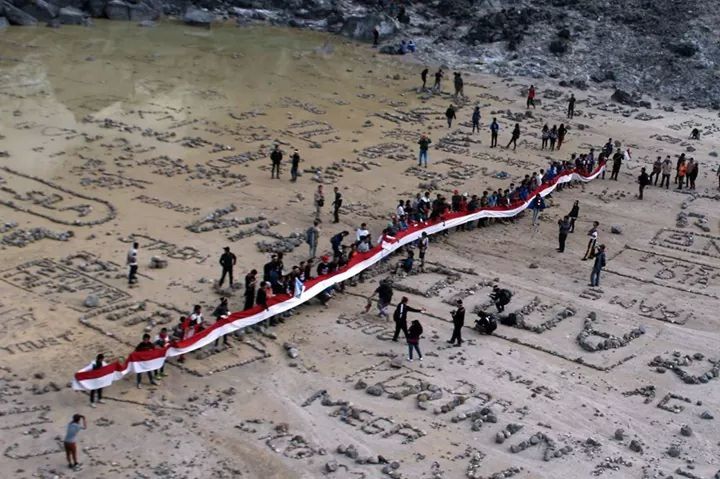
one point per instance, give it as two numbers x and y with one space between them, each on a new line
400 210
132 263
361 231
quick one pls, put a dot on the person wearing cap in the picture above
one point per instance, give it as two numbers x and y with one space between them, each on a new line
458 318
227 262
400 317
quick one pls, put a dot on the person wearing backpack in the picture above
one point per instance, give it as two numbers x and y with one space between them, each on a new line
311 237
501 297
413 339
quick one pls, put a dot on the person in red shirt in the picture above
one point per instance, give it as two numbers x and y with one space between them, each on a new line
531 97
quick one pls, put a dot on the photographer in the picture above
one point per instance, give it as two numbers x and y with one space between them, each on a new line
458 317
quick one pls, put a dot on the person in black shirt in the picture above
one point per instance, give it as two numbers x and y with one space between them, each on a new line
337 203
515 137
250 283
385 294
458 317
295 165
400 317
423 76
276 157
564 228
227 261
145 345
571 106
643 181
261 298
221 310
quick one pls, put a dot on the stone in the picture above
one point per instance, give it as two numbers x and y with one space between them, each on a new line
331 466
375 390
361 27
17 17
635 446
91 301
396 363
96 8
616 230
41 10
533 266
144 11
198 18
707 415
72 16
117 10
673 451
686 430
156 262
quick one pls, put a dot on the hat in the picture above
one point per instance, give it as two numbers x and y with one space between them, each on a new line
325 259
465 194
455 192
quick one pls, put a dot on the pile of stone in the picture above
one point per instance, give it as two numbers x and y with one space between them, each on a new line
678 361
478 417
509 430
609 341
21 238
551 451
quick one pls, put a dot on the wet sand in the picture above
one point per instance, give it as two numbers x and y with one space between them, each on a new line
119 132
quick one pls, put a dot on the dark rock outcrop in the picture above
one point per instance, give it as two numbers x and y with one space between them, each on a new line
361 27
41 10
72 16
197 17
117 10
17 17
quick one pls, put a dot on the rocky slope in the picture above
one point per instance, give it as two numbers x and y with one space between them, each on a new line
660 48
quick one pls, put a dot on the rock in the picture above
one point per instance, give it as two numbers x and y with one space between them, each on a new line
3 23
156 262
91 301
375 390
41 10
145 11
616 230
361 27
686 430
396 363
684 49
72 16
707 415
673 451
559 46
533 266
635 446
331 466
117 10
198 18
619 434
96 8
17 17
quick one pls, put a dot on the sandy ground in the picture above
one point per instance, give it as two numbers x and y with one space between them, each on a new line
111 133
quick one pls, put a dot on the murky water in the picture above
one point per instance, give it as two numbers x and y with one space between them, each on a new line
69 73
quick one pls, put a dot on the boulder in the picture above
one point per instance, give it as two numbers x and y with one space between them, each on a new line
18 17
41 10
72 16
117 10
91 301
361 27
197 17
616 230
625 98
96 8
156 262
145 10
3 23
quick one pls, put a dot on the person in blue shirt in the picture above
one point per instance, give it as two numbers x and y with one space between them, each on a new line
494 129
76 425
336 241
476 120
537 205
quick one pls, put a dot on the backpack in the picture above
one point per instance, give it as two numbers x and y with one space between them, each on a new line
506 294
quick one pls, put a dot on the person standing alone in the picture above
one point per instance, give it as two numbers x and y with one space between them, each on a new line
275 157
294 166
494 129
531 97
77 424
337 203
564 229
515 137
458 318
424 145
476 120
598 266
132 262
227 262
571 106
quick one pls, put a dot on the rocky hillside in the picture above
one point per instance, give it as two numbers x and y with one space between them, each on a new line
655 48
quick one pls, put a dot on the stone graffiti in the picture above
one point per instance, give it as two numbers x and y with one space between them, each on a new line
696 243
171 250
38 343
57 282
42 198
